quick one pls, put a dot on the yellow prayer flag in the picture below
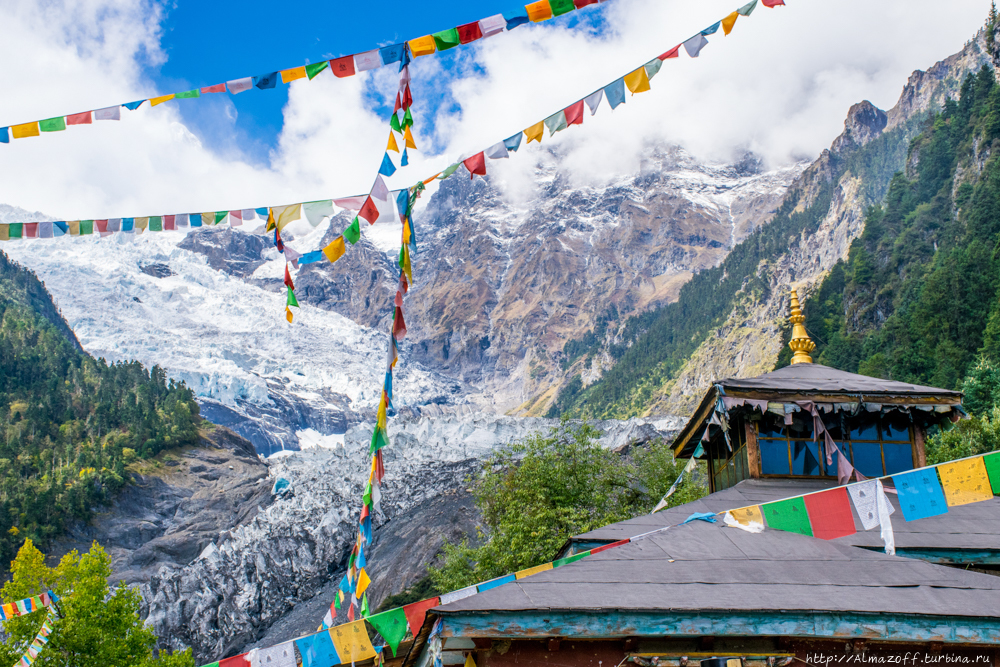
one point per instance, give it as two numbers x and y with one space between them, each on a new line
380 415
407 269
286 214
393 146
207 219
335 250
729 22
351 641
422 46
965 482
637 81
9 610
26 130
288 314
534 133
160 100
74 227
532 570
4 232
410 143
406 233
363 581
469 662
539 11
289 75
747 516
141 223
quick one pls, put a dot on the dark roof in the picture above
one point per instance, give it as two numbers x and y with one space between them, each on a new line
706 567
974 526
818 379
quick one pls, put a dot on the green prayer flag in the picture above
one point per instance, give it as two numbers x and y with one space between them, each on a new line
315 68
86 227
291 298
652 67
746 9
378 440
420 187
52 124
367 498
391 625
560 7
187 94
556 122
788 515
394 124
156 223
15 230
992 462
336 602
448 172
364 605
214 664
407 119
353 231
570 559
220 216
447 39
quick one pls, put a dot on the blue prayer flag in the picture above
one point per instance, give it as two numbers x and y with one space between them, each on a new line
311 257
362 561
406 57
392 54
128 224
920 494
615 92
710 30
513 143
4 136
60 228
195 219
262 212
405 160
403 202
387 168
515 19
266 80
132 106
493 583
318 650
388 385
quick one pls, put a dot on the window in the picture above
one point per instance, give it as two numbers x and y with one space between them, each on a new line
728 468
875 444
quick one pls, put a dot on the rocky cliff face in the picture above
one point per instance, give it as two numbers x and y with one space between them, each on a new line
749 342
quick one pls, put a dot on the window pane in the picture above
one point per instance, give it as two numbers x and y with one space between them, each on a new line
741 472
731 471
895 428
805 458
802 426
832 422
868 458
863 427
774 457
771 426
744 455
831 470
898 457
718 483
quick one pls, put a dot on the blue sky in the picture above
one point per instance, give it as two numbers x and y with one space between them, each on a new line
211 42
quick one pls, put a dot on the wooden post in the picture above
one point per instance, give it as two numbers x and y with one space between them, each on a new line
753 451
919 441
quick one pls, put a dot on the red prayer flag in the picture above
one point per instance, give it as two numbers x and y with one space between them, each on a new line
238 214
102 226
217 88
235 661
369 211
85 118
672 53
407 97
350 617
476 165
416 612
288 279
470 32
574 113
399 105
598 550
31 231
364 512
772 3
379 466
398 325
830 513
169 222
342 66
580 4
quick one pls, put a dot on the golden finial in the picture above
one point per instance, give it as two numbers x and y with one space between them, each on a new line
801 344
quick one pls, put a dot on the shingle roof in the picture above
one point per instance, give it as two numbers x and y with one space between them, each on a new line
975 526
704 567
816 378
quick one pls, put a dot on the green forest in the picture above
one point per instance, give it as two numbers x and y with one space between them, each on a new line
69 423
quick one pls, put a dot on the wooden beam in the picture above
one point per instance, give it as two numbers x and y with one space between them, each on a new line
611 624
753 450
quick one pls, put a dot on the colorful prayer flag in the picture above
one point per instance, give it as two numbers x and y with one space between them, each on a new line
351 641
527 572
992 463
153 101
492 25
773 3
560 7
672 53
392 626
392 54
109 113
729 22
237 86
266 81
593 101
637 81
293 74
830 513
342 67
497 151
556 122
217 88
188 94
392 145
747 9
965 482
336 249
574 113
534 133
408 137
514 142
85 118
57 124
132 106
422 46
284 215
539 11
25 130
353 231
369 211
315 68
652 67
318 650
416 612
446 39
387 168
469 32
317 210
694 45
615 93
4 135
789 515
712 29
920 494
476 165
367 60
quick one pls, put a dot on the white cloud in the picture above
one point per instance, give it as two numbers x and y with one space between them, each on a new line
780 84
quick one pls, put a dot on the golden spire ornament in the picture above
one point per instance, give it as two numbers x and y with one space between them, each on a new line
801 344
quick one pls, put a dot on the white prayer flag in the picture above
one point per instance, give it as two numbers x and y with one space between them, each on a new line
249 214
752 527
493 25
594 100
109 113
379 190
497 151
317 210
367 60
694 45
237 86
